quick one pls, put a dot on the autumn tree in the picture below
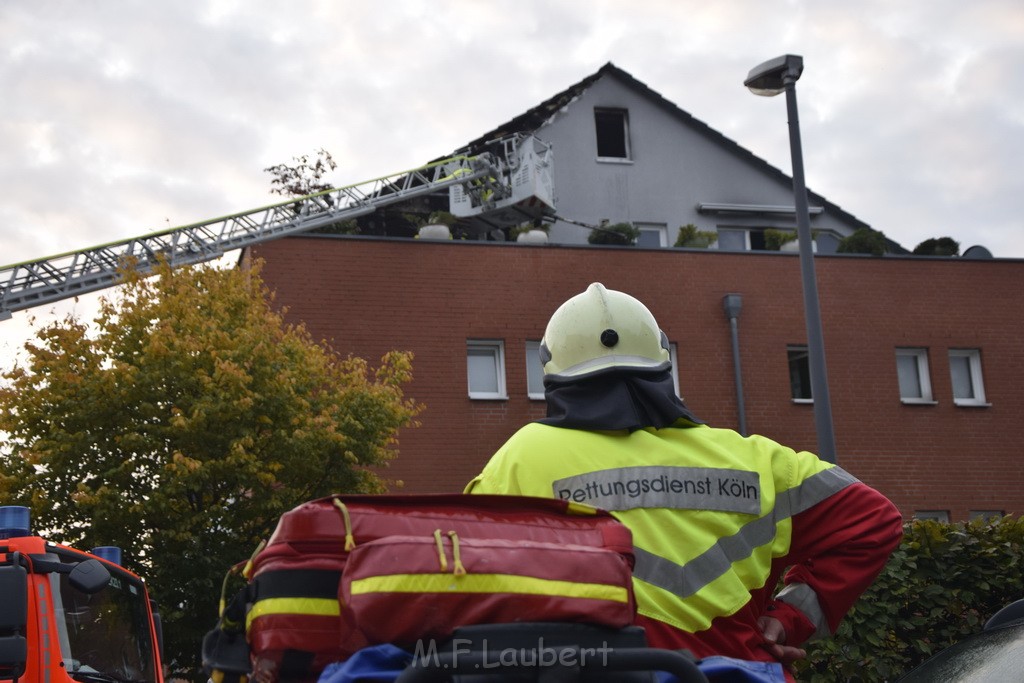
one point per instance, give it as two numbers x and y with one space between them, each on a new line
306 177
303 178
182 423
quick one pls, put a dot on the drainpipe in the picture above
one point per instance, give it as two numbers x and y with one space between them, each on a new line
732 303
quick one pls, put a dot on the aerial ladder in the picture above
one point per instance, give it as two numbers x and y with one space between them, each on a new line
506 184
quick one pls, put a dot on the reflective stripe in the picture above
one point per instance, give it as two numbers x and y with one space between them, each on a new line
610 361
686 580
319 607
803 597
487 583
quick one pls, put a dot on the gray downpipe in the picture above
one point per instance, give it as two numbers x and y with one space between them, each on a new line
733 303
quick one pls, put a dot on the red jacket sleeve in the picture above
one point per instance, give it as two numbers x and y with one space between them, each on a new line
839 547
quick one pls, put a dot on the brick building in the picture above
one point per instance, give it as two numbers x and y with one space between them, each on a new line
925 361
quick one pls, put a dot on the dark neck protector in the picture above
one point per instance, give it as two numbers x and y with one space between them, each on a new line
616 400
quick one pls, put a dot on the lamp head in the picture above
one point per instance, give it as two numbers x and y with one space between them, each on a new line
770 78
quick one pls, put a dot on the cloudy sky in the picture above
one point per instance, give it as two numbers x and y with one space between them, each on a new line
124 117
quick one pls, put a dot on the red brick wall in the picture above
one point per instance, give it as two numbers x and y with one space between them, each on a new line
367 296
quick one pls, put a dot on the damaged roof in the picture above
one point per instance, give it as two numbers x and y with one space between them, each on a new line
535 117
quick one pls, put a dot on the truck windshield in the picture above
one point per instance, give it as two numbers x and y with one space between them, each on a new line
105 636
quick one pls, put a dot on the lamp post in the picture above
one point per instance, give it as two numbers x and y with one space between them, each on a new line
770 79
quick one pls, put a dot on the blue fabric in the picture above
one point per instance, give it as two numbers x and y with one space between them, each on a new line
384 663
376 664
729 670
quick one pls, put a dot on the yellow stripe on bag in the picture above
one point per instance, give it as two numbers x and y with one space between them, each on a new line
581 509
487 583
317 607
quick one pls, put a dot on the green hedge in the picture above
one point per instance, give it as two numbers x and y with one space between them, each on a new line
941 584
624 234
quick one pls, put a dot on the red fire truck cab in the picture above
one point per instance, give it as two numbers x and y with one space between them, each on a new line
68 615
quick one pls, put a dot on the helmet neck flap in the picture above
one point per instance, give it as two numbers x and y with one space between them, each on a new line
615 401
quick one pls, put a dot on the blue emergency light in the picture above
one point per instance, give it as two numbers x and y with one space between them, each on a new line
14 521
110 553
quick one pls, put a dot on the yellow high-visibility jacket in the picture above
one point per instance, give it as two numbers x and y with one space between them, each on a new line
716 518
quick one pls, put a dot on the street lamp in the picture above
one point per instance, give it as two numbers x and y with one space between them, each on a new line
770 79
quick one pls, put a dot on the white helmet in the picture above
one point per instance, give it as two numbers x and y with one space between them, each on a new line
602 330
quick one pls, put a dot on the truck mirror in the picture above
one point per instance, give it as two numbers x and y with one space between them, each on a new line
89 576
13 618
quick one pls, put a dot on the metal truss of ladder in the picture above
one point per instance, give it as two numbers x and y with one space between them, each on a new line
34 283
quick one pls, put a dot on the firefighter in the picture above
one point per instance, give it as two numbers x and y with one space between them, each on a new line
717 518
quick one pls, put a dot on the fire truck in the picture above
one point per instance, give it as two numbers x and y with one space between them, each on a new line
68 615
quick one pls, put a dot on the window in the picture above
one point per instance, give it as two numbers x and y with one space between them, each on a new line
936 515
741 239
912 370
534 371
612 127
965 371
799 374
733 240
759 239
986 515
652 235
485 369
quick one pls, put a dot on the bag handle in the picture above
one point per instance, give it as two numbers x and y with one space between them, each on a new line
350 541
458 568
440 551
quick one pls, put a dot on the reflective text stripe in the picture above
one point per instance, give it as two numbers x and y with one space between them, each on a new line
654 486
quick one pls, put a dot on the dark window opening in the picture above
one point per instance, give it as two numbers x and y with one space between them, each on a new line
611 125
757 242
799 373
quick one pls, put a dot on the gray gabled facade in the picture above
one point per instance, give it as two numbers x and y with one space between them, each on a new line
623 153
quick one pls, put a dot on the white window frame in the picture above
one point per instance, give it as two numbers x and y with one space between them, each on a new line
660 229
919 356
789 372
495 349
534 392
973 357
673 352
